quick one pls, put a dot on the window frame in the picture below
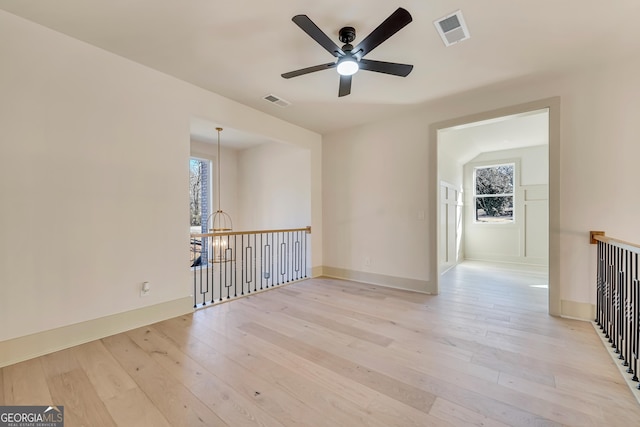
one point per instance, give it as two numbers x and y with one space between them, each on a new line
475 196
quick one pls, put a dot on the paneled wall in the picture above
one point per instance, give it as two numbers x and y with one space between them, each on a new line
525 240
450 225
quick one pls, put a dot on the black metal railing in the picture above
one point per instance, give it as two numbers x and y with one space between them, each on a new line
618 298
232 264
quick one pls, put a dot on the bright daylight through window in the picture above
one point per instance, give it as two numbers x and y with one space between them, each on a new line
494 193
199 203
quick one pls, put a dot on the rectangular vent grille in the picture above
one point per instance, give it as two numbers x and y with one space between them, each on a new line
452 28
449 24
276 100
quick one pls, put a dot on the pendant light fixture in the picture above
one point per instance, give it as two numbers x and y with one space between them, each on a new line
220 222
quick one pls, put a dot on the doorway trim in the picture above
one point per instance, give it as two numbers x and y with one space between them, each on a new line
553 106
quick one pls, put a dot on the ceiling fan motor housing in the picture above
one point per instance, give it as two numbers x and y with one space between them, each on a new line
347 34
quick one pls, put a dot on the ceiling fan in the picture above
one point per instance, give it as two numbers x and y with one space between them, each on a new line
350 59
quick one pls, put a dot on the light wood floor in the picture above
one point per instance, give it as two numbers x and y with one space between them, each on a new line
327 352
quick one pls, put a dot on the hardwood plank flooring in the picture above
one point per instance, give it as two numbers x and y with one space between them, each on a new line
328 352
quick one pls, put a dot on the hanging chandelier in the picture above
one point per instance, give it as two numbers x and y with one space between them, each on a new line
220 222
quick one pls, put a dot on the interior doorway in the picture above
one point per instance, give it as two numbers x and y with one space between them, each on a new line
528 239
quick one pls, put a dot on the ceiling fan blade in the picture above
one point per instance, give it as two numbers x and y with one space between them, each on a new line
345 86
394 23
392 68
317 34
308 70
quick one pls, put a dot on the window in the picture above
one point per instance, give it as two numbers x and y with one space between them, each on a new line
493 193
199 202
198 192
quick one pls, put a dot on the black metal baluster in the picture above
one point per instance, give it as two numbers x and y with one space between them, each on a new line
206 275
263 270
276 257
615 296
274 261
292 256
213 277
220 269
255 265
267 262
195 295
598 318
627 315
296 256
607 293
242 265
621 295
248 255
636 317
287 253
615 300
632 314
289 256
283 259
232 266
277 249
306 238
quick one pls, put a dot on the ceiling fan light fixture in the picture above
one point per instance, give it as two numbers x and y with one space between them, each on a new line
349 58
347 66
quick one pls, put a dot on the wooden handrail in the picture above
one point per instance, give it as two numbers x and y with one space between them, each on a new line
599 236
239 233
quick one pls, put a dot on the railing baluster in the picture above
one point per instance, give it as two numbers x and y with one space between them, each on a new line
274 257
193 266
242 264
618 298
255 254
267 262
598 318
283 260
633 298
628 326
274 273
262 261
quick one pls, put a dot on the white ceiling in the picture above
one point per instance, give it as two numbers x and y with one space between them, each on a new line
205 131
239 49
464 143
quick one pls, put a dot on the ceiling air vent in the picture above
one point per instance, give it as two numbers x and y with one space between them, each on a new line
452 28
276 100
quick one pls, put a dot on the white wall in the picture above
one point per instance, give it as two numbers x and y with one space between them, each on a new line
525 240
367 170
449 169
274 187
374 190
93 179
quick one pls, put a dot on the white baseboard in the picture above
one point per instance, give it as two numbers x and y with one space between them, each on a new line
377 279
577 310
27 347
316 271
507 259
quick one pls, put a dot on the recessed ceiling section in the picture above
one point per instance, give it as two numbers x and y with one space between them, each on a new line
465 142
205 131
